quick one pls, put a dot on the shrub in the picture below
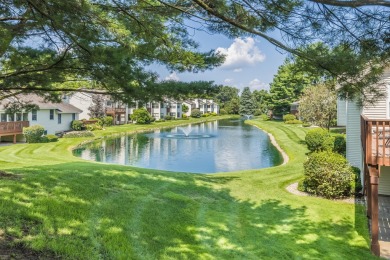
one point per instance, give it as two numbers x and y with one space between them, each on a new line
222 111
93 127
356 183
76 125
206 115
289 117
213 114
77 134
52 138
184 116
340 144
329 175
295 121
264 117
33 134
306 124
196 113
141 116
258 112
319 139
107 121
168 117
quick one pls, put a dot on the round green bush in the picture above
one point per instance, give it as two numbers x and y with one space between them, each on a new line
107 121
329 175
222 111
196 113
264 117
340 144
141 116
76 125
33 134
168 117
295 121
52 138
289 117
319 139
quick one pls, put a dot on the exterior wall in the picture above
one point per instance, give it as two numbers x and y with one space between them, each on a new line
81 101
52 126
342 106
380 110
354 149
384 181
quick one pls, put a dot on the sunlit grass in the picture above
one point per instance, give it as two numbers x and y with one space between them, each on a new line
55 202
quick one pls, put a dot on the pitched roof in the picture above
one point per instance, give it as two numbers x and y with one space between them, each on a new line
42 104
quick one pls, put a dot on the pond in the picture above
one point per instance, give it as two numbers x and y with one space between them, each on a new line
218 146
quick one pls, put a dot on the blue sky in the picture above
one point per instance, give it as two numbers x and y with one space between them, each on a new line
249 62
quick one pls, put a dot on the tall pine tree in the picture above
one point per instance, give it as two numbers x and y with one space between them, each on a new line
247 103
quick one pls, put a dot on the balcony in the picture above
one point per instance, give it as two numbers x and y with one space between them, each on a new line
110 110
12 128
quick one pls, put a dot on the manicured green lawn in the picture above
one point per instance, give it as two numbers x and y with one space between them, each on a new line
54 202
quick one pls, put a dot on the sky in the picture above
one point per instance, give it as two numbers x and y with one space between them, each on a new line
250 62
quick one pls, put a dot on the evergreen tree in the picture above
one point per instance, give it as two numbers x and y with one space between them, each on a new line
96 109
247 103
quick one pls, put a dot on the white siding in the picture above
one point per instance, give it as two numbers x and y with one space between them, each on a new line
354 149
82 101
52 126
342 112
384 181
380 109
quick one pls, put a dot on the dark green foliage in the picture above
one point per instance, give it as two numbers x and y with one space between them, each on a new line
107 121
227 97
356 183
247 103
319 139
93 127
233 106
329 175
222 111
261 98
306 124
184 108
196 113
340 144
168 117
77 134
141 116
33 134
289 117
76 125
52 138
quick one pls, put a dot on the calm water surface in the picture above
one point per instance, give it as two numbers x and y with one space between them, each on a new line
219 146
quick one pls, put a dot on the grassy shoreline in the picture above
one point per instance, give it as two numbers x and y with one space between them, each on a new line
54 203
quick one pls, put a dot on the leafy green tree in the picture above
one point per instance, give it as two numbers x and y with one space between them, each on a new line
141 116
318 105
233 106
184 108
287 86
225 94
247 103
261 98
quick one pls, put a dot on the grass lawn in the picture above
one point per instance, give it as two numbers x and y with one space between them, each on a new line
60 205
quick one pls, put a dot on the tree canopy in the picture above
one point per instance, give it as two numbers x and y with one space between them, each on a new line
93 46
57 45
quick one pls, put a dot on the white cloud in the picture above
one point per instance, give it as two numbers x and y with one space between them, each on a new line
237 70
228 80
242 52
258 84
172 76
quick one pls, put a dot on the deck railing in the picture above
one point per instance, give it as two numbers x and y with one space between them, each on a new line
375 134
13 127
110 110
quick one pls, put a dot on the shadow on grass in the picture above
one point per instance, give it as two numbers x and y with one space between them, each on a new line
91 211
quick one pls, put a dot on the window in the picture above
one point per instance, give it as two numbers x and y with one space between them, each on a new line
3 117
34 115
109 103
155 115
59 118
178 105
51 114
155 105
173 114
162 105
73 116
25 116
18 117
178 115
11 117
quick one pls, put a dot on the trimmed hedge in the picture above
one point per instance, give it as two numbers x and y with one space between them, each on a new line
76 125
319 139
289 117
33 134
265 117
340 144
52 138
77 134
142 116
329 175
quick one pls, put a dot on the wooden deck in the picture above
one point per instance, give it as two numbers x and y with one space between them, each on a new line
12 128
